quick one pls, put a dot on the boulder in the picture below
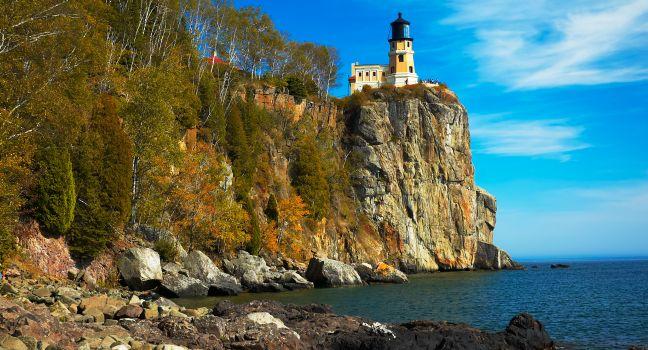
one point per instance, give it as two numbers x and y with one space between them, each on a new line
331 273
174 268
364 270
251 269
154 235
224 289
265 318
384 273
489 257
140 268
200 266
129 311
180 286
293 280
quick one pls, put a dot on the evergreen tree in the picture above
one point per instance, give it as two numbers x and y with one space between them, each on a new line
55 191
103 176
239 152
296 88
255 230
310 177
271 210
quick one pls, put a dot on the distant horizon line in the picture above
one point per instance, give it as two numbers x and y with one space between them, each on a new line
547 258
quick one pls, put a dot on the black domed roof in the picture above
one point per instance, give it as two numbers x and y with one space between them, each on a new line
400 20
400 29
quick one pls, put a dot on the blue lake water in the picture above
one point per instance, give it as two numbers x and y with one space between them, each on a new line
591 305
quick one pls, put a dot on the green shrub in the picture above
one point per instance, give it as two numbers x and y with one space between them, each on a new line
167 249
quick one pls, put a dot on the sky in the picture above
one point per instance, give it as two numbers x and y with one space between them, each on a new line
557 96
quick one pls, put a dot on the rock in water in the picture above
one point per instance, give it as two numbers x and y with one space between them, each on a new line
559 266
489 257
140 268
179 286
388 274
524 332
331 273
200 266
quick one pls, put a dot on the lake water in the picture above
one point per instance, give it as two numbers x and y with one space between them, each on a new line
591 305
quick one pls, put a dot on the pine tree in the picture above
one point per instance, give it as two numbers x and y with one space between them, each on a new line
310 177
239 152
55 190
103 174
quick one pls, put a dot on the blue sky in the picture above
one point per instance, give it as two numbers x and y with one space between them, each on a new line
557 93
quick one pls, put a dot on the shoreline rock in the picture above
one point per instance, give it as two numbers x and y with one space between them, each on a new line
325 272
67 316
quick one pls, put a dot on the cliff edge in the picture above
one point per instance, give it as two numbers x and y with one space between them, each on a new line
413 176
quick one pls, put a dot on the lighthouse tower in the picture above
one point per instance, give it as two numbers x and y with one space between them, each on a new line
400 70
401 54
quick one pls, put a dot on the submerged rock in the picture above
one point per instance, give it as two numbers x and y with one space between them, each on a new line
331 273
559 266
140 268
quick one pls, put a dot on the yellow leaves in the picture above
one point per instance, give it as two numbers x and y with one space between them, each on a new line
287 237
205 214
292 211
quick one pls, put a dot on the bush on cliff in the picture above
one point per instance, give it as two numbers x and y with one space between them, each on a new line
55 193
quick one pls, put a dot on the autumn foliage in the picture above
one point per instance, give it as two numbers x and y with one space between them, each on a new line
202 211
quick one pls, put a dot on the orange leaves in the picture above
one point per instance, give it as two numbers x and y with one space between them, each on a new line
292 211
291 214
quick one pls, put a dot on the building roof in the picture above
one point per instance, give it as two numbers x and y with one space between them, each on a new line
370 64
400 20
214 60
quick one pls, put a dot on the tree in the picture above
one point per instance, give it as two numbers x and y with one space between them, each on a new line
292 212
296 88
239 152
55 190
152 126
310 176
16 148
103 177
205 213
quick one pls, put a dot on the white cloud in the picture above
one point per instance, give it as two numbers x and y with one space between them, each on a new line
555 138
540 44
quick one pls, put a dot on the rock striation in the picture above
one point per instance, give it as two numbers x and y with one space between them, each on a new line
413 176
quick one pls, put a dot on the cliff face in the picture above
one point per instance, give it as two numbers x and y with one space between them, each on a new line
415 201
414 179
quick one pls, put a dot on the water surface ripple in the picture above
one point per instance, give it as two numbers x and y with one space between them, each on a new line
591 305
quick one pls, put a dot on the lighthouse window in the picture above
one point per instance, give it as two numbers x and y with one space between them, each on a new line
374 74
367 74
411 69
408 44
392 69
401 58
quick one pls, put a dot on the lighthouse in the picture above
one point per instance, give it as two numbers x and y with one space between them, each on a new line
401 54
399 72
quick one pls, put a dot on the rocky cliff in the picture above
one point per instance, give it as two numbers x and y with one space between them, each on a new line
413 177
